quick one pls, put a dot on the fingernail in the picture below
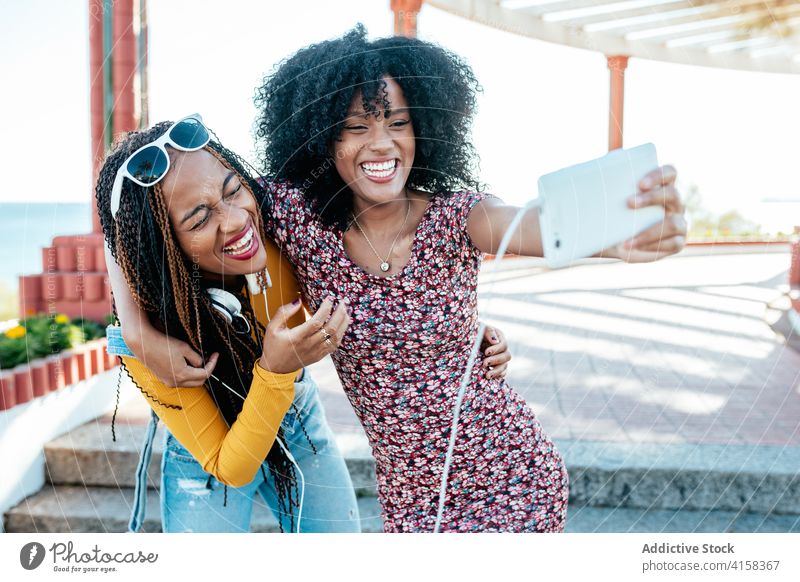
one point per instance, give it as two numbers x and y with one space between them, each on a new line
296 301
646 183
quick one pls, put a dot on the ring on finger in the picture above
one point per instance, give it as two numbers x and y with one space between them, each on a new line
325 335
328 343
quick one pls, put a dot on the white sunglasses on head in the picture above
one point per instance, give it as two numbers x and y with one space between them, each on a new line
150 163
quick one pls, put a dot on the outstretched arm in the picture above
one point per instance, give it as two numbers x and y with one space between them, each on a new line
490 218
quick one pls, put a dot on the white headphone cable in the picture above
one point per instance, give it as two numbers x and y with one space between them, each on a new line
535 203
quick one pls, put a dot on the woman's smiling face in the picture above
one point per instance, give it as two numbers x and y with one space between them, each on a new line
375 154
213 215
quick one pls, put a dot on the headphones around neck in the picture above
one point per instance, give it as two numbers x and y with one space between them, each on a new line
231 309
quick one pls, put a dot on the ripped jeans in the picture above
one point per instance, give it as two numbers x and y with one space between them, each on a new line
193 500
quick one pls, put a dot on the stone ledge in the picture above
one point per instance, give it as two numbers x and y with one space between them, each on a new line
754 478
89 456
587 519
99 509
763 479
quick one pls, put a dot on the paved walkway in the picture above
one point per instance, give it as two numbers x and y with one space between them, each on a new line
678 351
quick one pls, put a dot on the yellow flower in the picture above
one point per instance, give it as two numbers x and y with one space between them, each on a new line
61 318
15 332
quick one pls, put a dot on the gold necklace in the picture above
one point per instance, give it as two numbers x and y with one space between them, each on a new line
385 266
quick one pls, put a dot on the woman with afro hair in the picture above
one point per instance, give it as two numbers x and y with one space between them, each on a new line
375 198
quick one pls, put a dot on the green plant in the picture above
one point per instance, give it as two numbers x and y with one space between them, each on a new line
89 329
45 334
13 351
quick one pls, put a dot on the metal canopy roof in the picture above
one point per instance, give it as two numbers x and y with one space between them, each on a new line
755 35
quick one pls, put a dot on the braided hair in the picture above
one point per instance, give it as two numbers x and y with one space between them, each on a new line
163 283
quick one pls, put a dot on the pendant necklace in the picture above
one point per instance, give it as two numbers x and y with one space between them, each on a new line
385 265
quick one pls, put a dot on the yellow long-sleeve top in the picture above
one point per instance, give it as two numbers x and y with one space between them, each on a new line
233 455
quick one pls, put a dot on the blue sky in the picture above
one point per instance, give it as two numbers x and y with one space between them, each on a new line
732 134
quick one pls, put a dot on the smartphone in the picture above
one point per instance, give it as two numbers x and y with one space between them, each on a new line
583 208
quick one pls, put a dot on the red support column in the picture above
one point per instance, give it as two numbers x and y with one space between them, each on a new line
96 97
141 55
124 67
405 16
794 270
617 66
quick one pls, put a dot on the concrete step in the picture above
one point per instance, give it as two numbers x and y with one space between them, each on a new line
67 509
89 456
760 479
589 519
749 478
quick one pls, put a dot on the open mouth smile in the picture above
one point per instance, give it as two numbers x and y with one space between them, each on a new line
380 171
242 246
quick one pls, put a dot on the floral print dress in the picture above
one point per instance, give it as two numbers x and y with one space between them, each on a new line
401 364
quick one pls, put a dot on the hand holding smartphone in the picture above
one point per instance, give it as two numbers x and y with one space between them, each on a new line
583 208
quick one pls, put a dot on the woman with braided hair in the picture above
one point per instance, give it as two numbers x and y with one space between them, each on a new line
184 244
